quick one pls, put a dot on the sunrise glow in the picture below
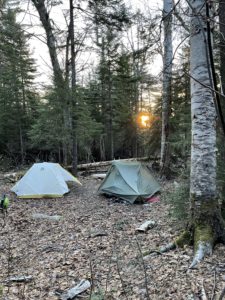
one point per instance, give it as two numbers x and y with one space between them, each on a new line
143 120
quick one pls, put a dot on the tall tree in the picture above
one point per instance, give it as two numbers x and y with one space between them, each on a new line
109 20
222 43
222 97
143 38
207 226
166 91
61 84
17 96
73 90
180 119
206 216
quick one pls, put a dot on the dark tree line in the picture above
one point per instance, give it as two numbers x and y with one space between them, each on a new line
74 122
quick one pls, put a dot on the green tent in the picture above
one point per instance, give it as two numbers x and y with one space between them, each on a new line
130 181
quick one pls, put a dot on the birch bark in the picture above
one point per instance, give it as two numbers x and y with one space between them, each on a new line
167 78
222 43
206 218
203 147
222 79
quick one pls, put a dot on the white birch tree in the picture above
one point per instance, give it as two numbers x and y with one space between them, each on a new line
206 218
206 226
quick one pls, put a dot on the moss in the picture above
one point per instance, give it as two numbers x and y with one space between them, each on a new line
203 233
183 239
1 290
206 204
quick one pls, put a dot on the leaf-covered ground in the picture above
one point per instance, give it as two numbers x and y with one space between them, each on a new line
96 240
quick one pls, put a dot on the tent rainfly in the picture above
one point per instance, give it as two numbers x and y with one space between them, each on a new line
130 181
44 180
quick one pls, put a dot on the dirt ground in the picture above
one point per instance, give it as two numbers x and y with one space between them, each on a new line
95 239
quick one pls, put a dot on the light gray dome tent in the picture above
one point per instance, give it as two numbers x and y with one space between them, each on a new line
130 181
44 180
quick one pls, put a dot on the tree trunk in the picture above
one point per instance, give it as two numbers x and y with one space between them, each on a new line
73 92
60 84
206 217
222 76
111 133
222 44
51 42
166 93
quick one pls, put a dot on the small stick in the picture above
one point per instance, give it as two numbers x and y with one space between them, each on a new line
214 286
92 275
222 294
204 297
121 278
145 271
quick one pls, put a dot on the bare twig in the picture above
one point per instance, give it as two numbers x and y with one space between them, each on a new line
145 270
108 273
203 293
92 275
214 286
222 294
121 278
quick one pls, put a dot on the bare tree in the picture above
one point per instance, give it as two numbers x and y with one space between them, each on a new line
60 83
166 92
73 90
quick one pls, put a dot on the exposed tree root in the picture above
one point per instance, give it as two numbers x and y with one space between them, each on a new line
203 249
208 229
203 236
168 247
148 252
180 242
204 240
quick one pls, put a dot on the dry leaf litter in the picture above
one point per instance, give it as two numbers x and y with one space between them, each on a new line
94 238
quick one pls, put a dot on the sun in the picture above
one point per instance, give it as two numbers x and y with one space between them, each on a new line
143 120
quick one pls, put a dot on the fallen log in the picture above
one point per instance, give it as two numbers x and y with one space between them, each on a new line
99 176
81 167
20 278
15 176
46 217
12 177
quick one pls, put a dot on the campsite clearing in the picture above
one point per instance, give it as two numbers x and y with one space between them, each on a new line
58 254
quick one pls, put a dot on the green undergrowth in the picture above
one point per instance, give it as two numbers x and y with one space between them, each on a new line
1 290
178 198
97 296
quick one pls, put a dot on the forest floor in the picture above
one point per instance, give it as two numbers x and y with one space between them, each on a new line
96 240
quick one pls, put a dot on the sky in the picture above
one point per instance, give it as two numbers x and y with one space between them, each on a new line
30 20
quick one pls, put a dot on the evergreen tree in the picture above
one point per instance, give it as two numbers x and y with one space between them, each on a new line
124 93
17 97
109 19
47 130
180 120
